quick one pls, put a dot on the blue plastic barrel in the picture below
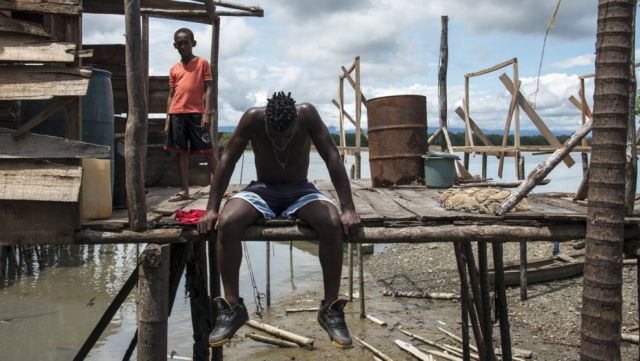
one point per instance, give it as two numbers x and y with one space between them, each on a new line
97 113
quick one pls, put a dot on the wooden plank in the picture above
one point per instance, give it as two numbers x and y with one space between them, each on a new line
30 222
116 7
158 92
474 126
66 7
346 115
167 208
15 26
29 181
366 212
385 206
31 146
425 207
535 118
491 69
42 116
38 52
557 202
35 82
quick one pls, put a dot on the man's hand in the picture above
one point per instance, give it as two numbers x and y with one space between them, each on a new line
208 222
351 225
206 120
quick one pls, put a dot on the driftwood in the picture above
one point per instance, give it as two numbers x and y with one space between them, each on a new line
30 146
459 351
417 294
442 355
285 335
518 353
376 320
375 351
496 184
405 346
270 340
543 169
456 338
628 337
298 310
424 340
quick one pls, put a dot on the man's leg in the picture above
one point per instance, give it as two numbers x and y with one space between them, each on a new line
236 216
323 217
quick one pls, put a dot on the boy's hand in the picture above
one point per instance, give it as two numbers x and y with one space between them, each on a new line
206 120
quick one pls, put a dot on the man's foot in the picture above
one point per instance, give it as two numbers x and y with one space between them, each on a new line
331 318
180 196
229 320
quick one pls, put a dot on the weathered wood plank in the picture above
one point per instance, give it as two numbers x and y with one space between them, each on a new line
30 222
66 7
43 115
168 208
385 206
364 209
28 181
36 82
31 146
14 26
15 147
425 207
38 52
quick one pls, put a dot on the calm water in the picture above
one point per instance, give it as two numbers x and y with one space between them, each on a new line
47 315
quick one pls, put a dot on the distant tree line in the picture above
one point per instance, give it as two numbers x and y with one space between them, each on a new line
457 139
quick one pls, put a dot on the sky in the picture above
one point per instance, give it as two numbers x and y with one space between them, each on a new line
299 47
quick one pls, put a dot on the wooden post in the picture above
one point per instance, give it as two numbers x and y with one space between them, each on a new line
487 334
136 130
501 296
474 281
516 110
484 165
145 58
196 283
268 273
153 302
215 51
214 287
464 302
358 119
442 72
343 139
350 266
361 280
631 165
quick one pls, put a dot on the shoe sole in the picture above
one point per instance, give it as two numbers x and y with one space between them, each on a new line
336 344
219 343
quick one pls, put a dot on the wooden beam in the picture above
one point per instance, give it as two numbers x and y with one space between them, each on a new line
43 115
38 52
583 107
239 13
535 118
347 76
38 82
442 70
474 126
231 5
334 102
136 131
491 69
34 146
66 7
15 26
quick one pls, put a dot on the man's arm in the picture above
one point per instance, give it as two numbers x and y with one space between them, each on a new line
329 152
222 175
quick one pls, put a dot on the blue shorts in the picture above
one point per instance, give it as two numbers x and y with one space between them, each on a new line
280 200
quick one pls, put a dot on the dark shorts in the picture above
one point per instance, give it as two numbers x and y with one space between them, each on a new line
280 199
186 135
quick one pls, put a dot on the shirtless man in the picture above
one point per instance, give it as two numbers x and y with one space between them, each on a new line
281 135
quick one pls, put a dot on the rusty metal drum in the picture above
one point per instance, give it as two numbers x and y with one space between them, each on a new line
397 139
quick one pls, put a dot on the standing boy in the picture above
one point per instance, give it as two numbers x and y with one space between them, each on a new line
188 109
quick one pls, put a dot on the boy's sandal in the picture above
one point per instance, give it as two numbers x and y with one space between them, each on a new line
180 196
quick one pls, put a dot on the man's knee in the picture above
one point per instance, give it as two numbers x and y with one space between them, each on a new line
330 226
230 225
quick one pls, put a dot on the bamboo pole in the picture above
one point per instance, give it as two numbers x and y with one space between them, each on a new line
136 129
373 350
270 340
304 342
299 310
153 302
542 170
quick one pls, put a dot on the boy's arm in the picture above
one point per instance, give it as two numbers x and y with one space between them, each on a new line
329 152
222 175
206 117
172 91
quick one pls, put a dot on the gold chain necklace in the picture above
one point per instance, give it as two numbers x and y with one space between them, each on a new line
282 164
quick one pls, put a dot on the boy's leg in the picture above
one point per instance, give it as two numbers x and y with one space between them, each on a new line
212 162
183 172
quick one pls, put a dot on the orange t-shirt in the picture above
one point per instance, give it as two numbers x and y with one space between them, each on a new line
188 81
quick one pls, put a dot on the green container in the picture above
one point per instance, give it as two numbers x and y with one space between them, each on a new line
439 169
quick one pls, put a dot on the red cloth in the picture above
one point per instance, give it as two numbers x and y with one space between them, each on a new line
189 217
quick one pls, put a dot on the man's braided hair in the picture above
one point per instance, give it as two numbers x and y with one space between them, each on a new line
280 111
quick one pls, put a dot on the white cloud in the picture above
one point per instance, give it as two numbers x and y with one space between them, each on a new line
580 60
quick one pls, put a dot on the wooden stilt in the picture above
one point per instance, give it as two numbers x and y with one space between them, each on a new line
350 266
464 302
484 165
487 333
153 302
268 273
214 288
198 299
501 304
361 280
523 270
474 282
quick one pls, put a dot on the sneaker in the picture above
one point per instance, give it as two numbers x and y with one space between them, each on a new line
331 318
229 320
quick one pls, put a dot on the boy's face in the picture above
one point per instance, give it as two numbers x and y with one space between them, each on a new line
184 44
